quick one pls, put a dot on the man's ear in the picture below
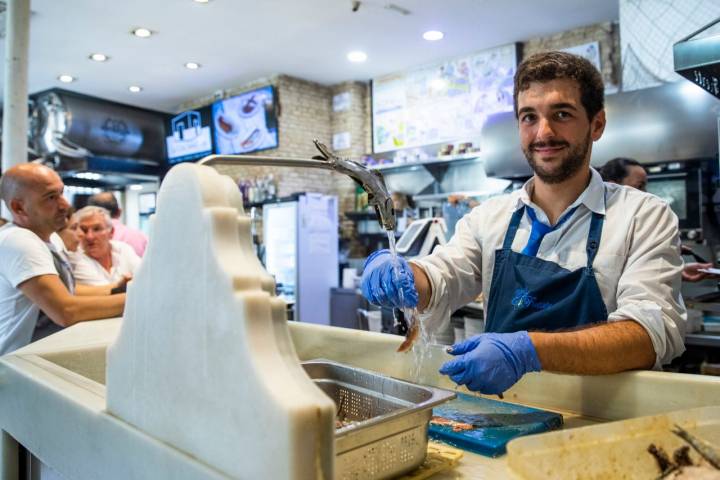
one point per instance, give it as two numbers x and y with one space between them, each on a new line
597 125
17 208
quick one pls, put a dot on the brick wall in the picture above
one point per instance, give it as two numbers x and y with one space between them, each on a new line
355 120
606 34
303 115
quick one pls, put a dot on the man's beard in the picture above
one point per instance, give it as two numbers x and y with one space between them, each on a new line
570 165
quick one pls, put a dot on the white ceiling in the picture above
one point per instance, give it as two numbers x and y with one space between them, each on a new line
237 41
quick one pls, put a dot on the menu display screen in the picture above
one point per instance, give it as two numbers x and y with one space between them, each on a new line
246 123
445 102
189 137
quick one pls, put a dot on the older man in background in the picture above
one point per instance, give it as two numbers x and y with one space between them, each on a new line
38 295
104 260
135 238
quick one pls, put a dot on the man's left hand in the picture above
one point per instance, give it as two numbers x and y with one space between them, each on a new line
121 285
491 363
691 272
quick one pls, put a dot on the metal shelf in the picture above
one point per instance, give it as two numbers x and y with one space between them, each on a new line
426 162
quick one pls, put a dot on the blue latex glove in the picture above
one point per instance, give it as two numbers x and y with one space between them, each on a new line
491 363
380 285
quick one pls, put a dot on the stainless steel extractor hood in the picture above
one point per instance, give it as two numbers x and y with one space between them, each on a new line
697 57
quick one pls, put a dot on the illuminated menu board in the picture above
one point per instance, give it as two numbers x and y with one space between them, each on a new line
443 102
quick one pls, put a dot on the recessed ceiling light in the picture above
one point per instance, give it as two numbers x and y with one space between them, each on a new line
135 89
201 1
192 65
142 32
66 78
357 56
136 187
433 35
99 57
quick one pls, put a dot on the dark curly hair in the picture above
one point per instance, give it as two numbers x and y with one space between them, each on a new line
616 169
547 66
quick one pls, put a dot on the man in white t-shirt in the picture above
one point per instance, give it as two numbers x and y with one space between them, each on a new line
37 293
103 260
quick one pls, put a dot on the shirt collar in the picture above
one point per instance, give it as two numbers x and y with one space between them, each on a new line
593 197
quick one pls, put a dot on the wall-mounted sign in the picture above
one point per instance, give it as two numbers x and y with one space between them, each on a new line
589 51
189 136
341 141
444 102
342 102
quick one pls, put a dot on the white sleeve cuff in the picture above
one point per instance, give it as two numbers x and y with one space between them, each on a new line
438 309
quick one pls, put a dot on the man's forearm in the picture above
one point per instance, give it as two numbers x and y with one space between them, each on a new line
93 290
83 308
600 349
422 285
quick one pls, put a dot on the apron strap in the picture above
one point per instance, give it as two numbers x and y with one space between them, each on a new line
593 240
512 228
43 325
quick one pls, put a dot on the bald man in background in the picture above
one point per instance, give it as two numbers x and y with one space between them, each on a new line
38 295
121 232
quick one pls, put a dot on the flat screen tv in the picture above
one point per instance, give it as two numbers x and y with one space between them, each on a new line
188 136
246 122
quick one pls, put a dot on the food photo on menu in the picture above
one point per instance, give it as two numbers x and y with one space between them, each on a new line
246 123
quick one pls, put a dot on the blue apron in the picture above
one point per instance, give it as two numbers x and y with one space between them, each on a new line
528 293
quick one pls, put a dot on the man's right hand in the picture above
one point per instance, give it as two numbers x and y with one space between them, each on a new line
381 285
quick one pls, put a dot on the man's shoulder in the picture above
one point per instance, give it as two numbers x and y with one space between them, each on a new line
14 236
628 199
497 204
123 249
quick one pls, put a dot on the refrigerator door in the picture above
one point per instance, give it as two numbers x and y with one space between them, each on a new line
317 255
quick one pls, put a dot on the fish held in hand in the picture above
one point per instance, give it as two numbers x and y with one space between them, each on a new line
410 336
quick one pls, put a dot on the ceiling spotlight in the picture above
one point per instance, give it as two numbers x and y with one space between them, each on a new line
433 35
135 89
201 1
357 56
192 65
99 57
66 78
137 186
142 32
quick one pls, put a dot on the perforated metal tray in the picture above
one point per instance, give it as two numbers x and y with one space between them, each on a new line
387 435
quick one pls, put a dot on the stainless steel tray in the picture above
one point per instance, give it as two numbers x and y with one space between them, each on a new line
388 433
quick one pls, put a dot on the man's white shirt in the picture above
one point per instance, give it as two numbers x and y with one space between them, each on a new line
637 266
88 271
23 255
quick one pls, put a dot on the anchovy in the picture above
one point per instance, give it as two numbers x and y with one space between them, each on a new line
701 446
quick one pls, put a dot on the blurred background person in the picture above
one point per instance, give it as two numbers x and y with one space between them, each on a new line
122 233
631 173
625 171
103 260
69 233
454 209
404 210
38 295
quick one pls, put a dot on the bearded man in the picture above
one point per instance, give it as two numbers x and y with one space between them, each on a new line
579 276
